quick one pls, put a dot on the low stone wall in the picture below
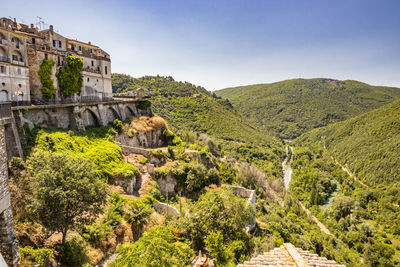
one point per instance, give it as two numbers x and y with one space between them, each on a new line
165 208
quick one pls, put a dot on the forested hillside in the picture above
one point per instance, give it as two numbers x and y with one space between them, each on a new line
348 173
369 144
290 108
189 107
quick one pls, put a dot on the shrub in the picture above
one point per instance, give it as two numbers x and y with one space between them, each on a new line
72 253
17 164
118 125
171 152
143 161
144 104
38 255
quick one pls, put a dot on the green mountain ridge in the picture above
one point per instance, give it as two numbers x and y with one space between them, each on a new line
290 108
368 144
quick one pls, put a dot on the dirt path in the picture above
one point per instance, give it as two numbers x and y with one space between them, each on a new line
352 175
315 219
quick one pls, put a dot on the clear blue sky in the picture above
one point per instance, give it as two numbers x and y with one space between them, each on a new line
220 43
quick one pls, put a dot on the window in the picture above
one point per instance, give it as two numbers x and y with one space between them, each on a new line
17 44
19 85
59 44
46 56
91 50
4 84
54 43
73 47
15 57
33 41
19 71
80 48
98 68
88 79
58 61
2 69
106 70
92 63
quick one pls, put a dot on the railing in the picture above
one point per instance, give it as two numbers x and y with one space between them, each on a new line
5 109
4 59
92 70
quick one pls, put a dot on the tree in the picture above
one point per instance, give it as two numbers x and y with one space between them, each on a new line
69 193
159 246
70 77
138 214
45 78
342 206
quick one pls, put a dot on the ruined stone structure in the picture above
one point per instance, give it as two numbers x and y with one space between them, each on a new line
8 243
22 51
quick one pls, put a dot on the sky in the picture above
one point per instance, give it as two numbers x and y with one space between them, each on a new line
221 43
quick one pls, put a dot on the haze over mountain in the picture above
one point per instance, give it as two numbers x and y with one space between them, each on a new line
292 107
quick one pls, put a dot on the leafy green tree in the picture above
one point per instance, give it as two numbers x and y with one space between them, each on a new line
216 248
159 246
44 73
138 214
70 77
218 211
342 206
69 192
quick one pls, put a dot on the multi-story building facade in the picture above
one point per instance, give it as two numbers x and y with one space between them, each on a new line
22 51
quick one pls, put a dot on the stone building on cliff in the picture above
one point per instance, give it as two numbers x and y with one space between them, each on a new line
22 50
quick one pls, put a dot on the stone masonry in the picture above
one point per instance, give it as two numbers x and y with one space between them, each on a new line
8 242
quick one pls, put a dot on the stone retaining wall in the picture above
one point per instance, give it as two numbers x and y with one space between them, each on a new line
8 242
251 200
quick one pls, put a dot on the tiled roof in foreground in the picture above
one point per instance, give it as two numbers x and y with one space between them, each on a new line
289 255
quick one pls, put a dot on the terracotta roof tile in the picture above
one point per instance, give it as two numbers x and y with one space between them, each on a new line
289 255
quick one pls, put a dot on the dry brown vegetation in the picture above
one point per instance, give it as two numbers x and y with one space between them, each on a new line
147 124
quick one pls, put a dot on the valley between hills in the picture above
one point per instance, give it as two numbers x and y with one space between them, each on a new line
332 189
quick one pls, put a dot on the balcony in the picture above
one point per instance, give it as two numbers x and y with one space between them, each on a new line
4 59
92 70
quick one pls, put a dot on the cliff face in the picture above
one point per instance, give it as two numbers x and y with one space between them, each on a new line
144 132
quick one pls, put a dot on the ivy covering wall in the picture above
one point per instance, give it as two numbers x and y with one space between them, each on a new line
44 73
70 77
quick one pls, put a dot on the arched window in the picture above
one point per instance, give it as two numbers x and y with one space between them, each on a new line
3 96
16 41
17 56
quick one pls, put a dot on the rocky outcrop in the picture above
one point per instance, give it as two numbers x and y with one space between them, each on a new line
166 209
168 184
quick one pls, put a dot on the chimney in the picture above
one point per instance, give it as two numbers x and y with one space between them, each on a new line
15 22
89 42
31 26
51 28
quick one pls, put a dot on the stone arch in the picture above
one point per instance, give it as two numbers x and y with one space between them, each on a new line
2 37
3 96
90 118
112 114
128 112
